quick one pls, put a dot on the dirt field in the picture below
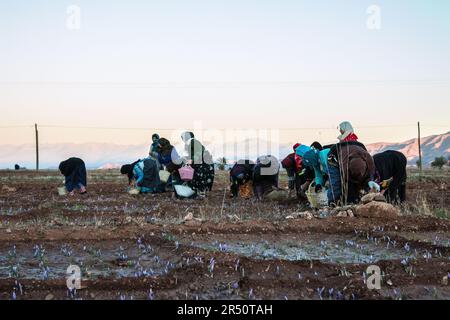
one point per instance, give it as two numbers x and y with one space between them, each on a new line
140 247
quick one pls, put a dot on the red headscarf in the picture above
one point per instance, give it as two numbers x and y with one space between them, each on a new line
351 137
298 159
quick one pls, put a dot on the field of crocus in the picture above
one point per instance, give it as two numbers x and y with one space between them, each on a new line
143 247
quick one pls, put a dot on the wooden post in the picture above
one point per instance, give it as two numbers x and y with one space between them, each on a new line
420 150
37 146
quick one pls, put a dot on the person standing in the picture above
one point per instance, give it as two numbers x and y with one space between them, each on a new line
154 146
201 161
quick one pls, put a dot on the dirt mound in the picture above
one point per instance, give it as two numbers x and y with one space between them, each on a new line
376 209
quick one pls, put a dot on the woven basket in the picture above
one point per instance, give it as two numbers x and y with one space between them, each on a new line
164 176
317 199
186 173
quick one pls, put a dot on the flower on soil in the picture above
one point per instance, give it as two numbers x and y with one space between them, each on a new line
211 265
150 294
19 286
71 293
45 273
407 247
320 291
223 247
12 254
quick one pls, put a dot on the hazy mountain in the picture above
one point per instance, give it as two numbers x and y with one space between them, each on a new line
107 156
432 147
96 155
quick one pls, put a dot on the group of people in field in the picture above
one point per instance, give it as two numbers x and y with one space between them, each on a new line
344 170
189 175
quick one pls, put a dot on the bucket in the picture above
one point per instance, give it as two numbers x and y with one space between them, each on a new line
317 199
186 173
184 191
62 191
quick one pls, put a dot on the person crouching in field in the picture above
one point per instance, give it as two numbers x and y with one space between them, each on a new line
265 176
298 175
241 179
391 174
170 160
144 174
348 167
351 170
74 171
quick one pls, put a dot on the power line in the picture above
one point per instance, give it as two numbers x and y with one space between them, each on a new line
223 84
13 127
228 128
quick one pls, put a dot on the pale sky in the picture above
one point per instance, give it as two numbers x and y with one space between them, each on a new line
304 65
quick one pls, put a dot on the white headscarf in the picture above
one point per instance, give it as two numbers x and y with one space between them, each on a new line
347 128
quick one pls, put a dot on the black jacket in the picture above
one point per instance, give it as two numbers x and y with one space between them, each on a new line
242 167
68 167
390 164
151 174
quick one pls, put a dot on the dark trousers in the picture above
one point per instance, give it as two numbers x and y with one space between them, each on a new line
335 190
396 193
77 178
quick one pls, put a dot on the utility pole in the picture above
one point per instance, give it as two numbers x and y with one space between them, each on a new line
420 150
37 146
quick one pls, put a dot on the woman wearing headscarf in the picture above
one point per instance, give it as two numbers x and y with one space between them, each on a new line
317 160
391 170
240 175
74 171
145 174
128 170
169 158
265 176
347 132
349 170
201 161
297 174
154 145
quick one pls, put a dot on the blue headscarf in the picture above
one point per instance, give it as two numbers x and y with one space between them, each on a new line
302 149
311 158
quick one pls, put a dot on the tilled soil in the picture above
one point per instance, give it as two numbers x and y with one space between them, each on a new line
140 247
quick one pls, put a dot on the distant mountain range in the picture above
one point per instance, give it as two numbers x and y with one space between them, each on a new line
432 147
109 156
